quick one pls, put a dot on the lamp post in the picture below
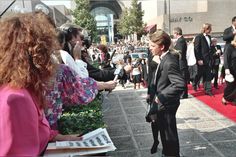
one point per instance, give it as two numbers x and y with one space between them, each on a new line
169 17
23 3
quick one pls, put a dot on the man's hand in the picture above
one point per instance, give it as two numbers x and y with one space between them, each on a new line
148 98
200 62
234 32
227 72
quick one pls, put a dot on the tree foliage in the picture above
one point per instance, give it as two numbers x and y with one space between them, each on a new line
83 18
131 20
123 25
136 17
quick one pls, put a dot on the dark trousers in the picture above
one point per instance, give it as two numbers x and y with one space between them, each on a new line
168 132
215 74
203 71
185 75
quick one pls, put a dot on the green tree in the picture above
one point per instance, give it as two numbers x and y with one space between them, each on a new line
124 23
136 18
83 18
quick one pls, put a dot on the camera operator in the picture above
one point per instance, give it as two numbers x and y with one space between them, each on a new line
73 34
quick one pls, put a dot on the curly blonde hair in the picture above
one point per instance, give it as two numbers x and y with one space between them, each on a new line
26 44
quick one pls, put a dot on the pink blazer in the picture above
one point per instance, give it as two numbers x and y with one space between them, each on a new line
24 130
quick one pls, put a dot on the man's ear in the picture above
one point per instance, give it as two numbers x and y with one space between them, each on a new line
162 47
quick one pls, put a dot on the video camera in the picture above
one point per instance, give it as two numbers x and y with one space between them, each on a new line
71 30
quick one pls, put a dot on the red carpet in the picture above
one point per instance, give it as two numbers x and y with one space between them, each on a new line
214 102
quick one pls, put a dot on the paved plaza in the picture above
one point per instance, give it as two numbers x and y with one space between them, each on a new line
202 131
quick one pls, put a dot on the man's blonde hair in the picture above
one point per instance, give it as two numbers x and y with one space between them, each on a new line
205 27
160 37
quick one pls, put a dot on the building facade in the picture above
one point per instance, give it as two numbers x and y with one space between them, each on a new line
187 14
59 14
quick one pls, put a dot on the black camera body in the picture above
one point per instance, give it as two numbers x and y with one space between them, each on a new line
151 115
71 30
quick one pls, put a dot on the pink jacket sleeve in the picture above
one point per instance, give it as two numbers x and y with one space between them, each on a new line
18 125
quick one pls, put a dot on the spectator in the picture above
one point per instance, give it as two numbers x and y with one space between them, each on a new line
105 56
69 88
72 36
136 73
26 44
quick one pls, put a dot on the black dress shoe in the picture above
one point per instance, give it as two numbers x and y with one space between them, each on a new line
216 87
184 97
154 148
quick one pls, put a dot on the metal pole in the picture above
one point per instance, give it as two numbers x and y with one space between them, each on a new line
7 8
23 3
169 18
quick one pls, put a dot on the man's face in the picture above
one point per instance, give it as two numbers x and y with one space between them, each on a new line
155 48
208 31
175 35
234 23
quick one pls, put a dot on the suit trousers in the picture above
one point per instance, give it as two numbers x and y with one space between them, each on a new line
168 132
204 71
215 73
185 74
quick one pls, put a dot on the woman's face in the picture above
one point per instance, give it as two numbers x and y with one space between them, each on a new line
76 39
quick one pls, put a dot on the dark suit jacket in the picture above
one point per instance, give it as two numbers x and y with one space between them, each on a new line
216 57
181 45
169 82
228 36
202 50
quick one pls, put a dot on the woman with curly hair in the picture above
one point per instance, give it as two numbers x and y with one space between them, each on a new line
26 45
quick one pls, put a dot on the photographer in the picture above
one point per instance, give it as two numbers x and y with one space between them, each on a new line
73 34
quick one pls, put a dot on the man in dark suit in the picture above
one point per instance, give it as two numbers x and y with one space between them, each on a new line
204 56
229 33
169 86
181 46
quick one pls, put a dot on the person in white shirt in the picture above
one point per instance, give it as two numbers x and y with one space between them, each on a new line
191 60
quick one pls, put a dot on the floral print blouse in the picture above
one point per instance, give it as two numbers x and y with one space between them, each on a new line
65 90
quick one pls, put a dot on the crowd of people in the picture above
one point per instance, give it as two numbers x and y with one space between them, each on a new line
43 69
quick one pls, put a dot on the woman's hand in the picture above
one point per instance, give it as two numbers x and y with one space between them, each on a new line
61 137
106 85
110 85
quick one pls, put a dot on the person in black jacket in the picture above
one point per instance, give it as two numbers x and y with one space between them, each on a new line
204 56
217 52
230 69
181 46
73 34
169 85
228 36
229 33
152 66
